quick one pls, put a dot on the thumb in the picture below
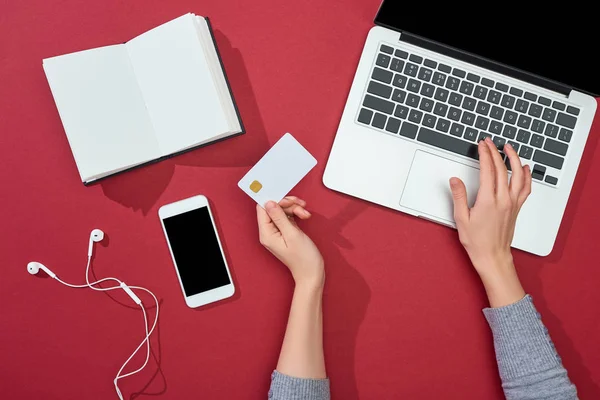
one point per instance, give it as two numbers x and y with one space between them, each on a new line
279 218
459 196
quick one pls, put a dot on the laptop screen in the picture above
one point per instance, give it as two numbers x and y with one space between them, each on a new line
557 43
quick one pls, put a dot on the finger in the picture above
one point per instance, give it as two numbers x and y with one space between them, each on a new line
293 199
487 177
499 167
526 186
516 181
280 218
459 197
266 227
297 210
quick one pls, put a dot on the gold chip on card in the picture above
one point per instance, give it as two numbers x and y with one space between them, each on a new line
255 186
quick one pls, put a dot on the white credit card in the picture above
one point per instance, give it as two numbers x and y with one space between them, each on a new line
278 171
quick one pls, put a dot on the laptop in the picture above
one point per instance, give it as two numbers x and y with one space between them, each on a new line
431 84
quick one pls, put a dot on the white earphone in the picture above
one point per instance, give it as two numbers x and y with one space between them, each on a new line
96 236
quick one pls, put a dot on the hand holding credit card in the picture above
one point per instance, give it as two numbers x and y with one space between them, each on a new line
278 171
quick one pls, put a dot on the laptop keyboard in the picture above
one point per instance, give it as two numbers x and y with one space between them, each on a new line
420 99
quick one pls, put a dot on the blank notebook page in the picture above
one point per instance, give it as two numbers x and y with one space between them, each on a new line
102 110
177 85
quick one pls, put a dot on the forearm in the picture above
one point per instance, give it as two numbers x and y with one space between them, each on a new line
302 349
529 365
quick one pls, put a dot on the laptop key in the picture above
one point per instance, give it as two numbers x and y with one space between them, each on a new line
471 134
469 103
393 125
401 53
487 82
566 120
426 105
386 49
551 130
473 78
551 180
455 99
430 63
509 132
508 101
379 121
496 127
537 141
565 135
573 110
397 65
440 109
399 95
549 114
466 88
415 116
413 85
483 136
538 126
457 130
482 123
499 142
524 122
523 136
439 78
483 108
382 75
459 72
526 152
557 147
516 92
401 112
409 130
510 117
379 104
494 97
415 58
454 113
548 159
530 96
535 110
538 172
365 116
441 94
496 112
413 100
545 101
480 92
443 125
383 60
399 81
558 105
449 143
444 68
501 87
379 89
425 74
468 118
452 83
522 106
427 90
411 69
429 120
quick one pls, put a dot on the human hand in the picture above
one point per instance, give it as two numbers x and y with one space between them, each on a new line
280 234
486 231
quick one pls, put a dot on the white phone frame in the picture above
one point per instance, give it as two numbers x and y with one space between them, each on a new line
180 207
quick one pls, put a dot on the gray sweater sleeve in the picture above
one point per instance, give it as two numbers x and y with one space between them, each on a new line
284 387
529 365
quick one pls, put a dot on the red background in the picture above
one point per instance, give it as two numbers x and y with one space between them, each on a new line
402 305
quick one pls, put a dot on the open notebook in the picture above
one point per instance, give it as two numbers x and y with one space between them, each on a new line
160 94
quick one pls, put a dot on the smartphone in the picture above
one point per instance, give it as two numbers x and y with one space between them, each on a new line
196 251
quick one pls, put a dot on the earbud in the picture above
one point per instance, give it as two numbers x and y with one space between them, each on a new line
34 267
96 236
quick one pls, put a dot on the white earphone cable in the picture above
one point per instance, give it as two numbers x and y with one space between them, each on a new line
148 332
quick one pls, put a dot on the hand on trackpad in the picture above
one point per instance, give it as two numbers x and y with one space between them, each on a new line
427 190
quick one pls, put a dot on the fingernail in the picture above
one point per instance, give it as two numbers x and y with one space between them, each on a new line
305 212
507 145
487 139
270 205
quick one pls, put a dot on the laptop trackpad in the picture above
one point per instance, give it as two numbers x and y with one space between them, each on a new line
427 189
